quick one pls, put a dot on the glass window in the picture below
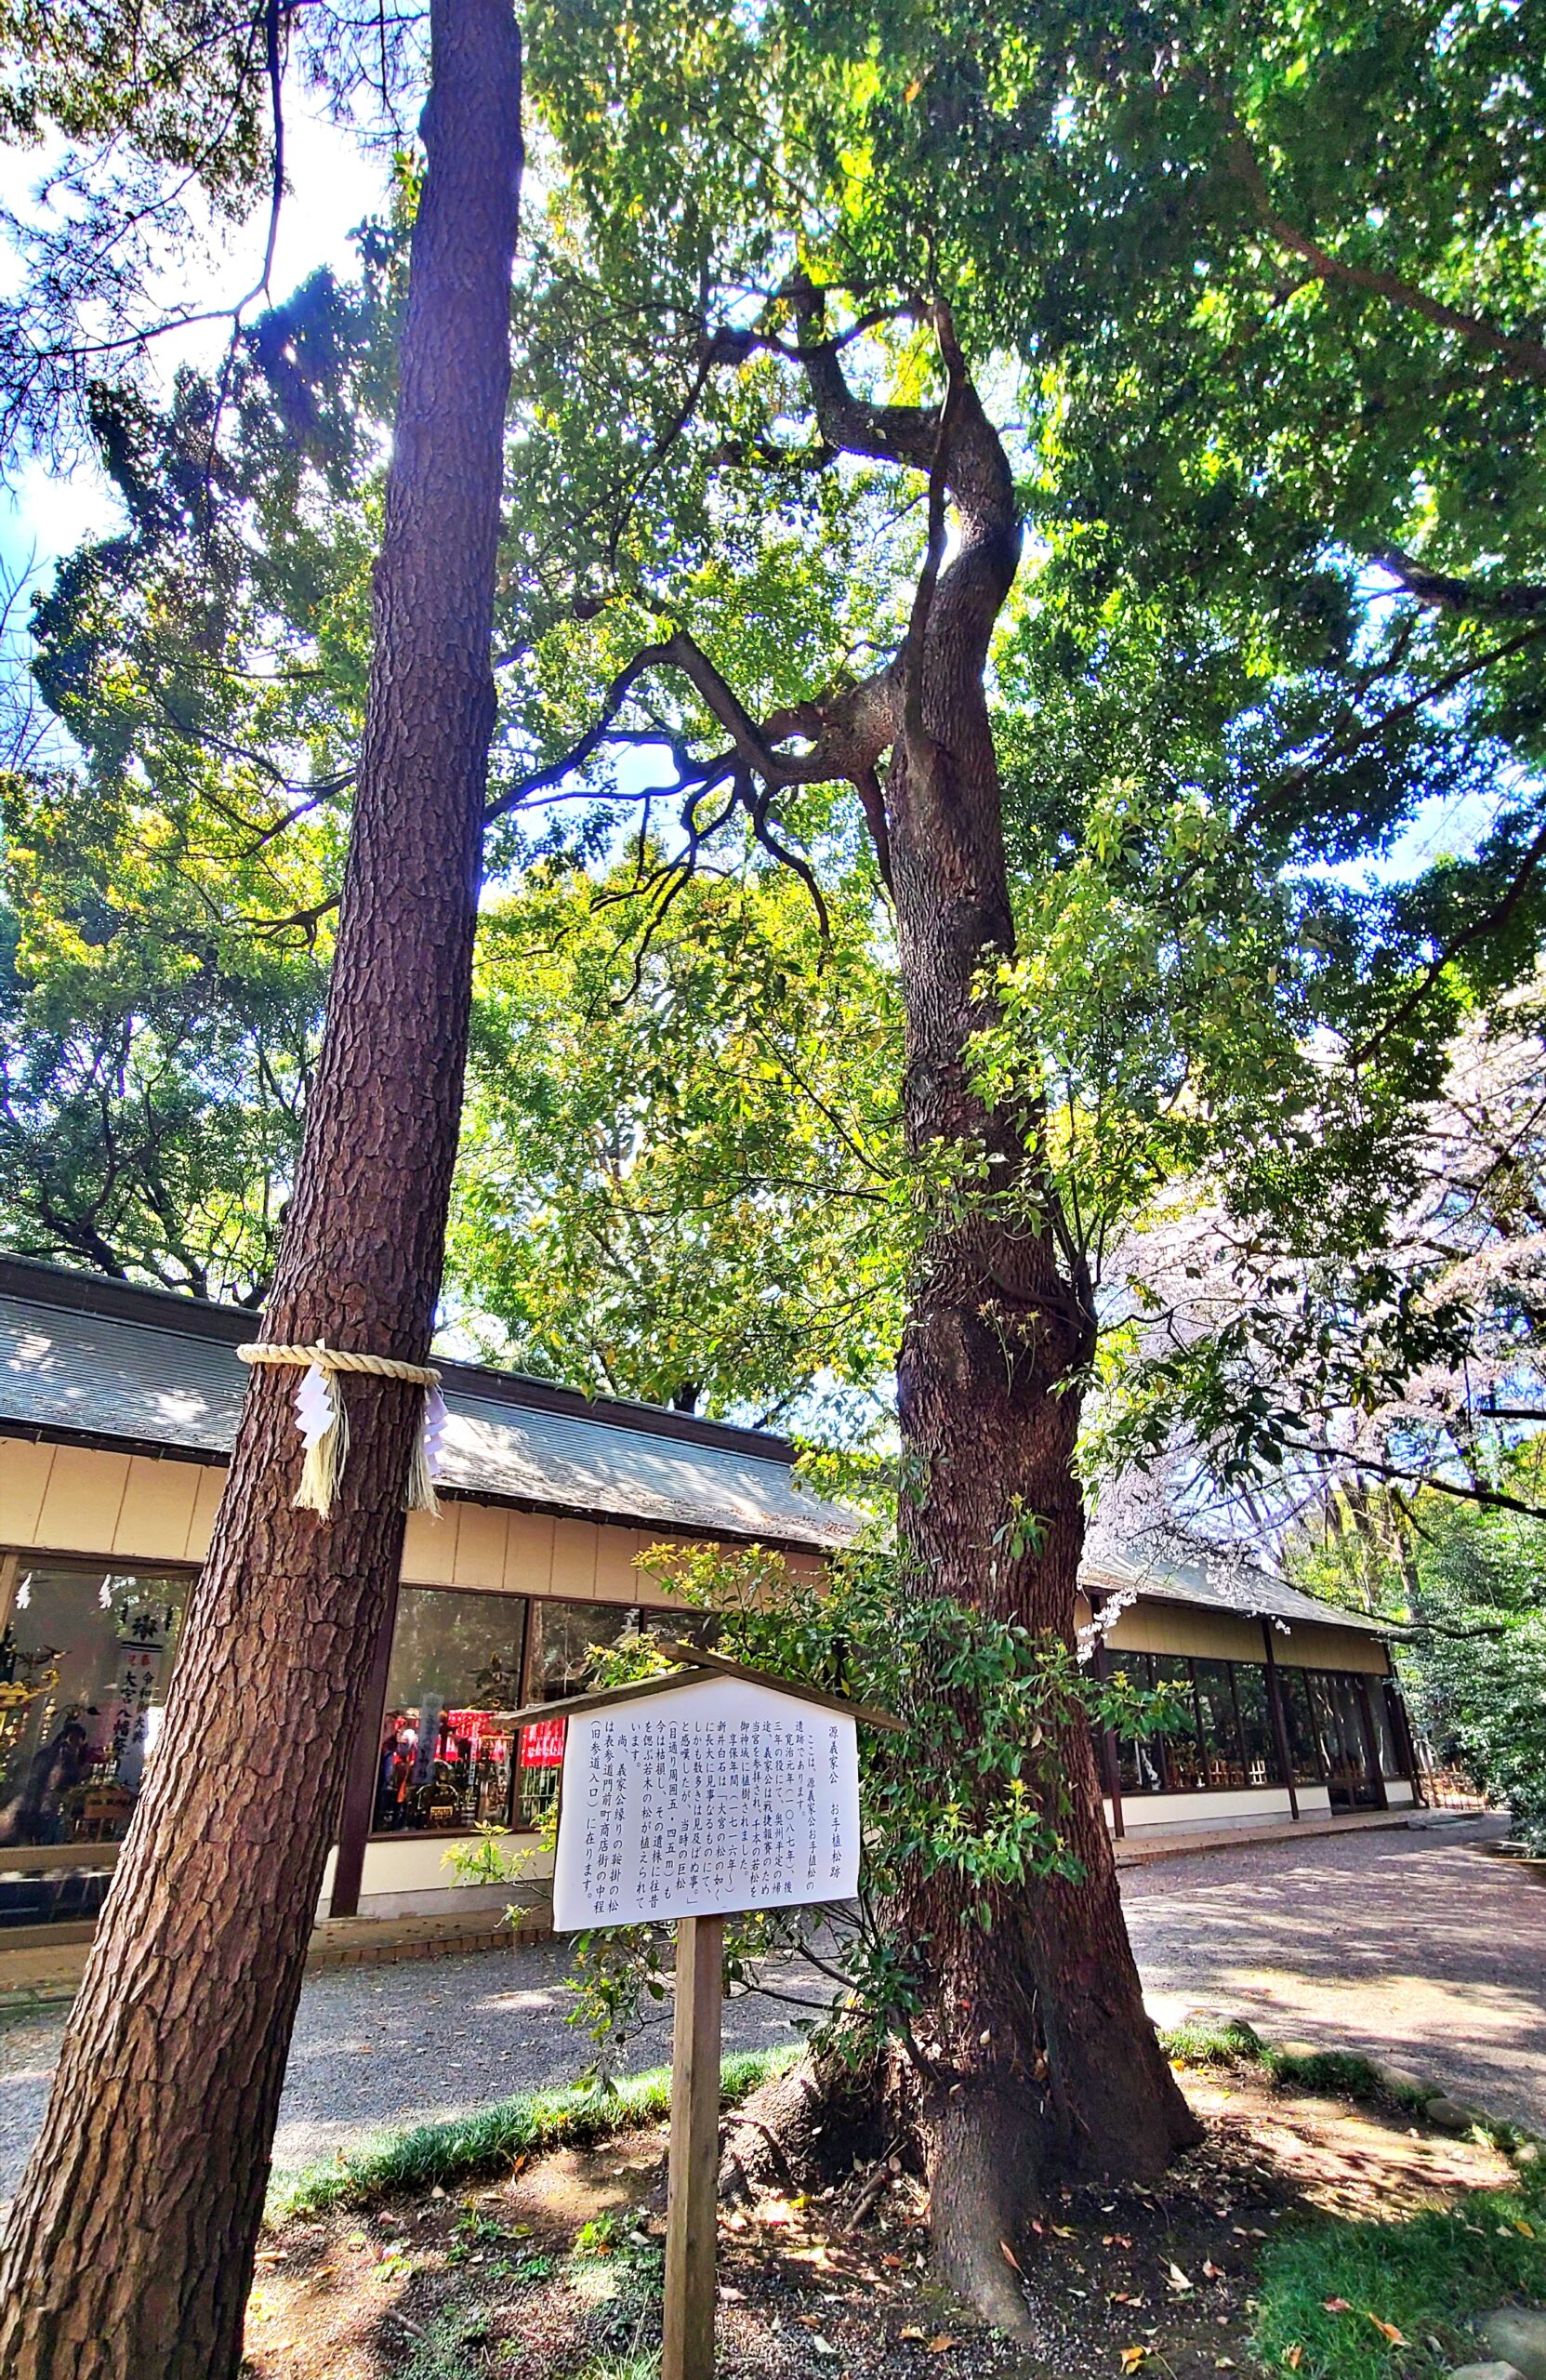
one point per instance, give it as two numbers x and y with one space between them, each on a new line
565 1638
456 1665
1262 1766
1386 1733
1221 1728
1339 1704
1138 1763
1184 1760
86 1661
1301 1720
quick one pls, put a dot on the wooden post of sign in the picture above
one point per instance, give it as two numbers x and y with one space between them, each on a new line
692 2190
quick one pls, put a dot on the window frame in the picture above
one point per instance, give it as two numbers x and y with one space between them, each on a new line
1142 1663
511 1823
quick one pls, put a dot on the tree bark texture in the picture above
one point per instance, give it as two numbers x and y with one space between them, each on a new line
1041 2054
130 2246
1045 2053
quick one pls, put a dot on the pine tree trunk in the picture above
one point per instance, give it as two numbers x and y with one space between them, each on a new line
129 2250
1045 2053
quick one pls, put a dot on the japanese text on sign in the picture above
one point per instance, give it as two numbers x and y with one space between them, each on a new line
721 1795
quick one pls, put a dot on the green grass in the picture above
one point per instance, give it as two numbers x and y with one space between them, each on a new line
1425 2276
1337 2074
1344 2074
469 2147
1210 2044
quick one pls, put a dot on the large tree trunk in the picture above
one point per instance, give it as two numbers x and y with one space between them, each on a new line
1045 2056
1041 2055
130 2247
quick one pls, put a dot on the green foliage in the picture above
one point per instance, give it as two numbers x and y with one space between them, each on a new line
1424 2276
967 1802
645 2365
598 2238
679 1155
153 1070
469 2147
1251 297
1469 1587
156 132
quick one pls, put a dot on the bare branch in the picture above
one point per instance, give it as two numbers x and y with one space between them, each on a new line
1493 1497
1520 601
1490 921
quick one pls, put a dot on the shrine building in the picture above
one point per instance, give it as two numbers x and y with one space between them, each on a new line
118 1408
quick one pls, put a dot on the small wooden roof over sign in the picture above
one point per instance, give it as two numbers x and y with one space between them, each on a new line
699 1665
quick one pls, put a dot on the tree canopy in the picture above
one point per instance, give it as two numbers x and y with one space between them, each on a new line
1277 608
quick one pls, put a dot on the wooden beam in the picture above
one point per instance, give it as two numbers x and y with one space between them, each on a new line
569 1706
701 1665
692 2210
868 1713
43 1859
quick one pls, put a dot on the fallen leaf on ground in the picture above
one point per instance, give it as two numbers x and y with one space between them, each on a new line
942 2343
910 2331
1133 2356
1293 2356
1527 2228
1176 2278
1009 2256
1389 2331
1336 2305
1115 2239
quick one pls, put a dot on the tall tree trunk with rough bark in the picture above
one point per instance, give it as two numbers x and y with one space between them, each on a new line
129 2250
1043 2058
1044 2055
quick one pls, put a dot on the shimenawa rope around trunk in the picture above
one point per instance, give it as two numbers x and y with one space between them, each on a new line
323 1419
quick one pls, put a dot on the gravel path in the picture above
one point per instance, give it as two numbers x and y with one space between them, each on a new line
376 2045
1416 1943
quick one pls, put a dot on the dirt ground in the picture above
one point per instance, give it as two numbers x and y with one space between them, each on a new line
555 2273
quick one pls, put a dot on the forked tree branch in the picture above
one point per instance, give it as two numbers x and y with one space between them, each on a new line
1520 355
1490 921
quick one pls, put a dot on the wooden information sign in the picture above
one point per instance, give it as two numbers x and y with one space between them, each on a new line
713 1790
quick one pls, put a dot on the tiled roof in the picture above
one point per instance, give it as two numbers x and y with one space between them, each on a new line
114 1363
1245 1588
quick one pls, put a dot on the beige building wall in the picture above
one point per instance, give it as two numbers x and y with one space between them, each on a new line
1154 1627
121 1507
1182 1627
1309 1645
